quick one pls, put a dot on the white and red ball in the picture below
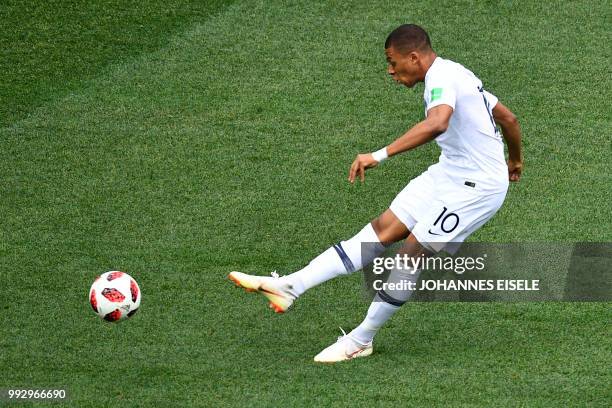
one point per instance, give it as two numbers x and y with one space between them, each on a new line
114 296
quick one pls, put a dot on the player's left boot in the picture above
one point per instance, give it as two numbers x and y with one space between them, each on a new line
346 348
274 288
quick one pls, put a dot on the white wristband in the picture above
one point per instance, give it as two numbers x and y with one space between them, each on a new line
380 155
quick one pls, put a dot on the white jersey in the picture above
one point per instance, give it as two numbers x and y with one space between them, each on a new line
472 147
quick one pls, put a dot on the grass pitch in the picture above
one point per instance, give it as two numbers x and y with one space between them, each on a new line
179 141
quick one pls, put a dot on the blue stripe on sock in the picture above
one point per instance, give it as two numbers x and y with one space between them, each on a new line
385 297
348 265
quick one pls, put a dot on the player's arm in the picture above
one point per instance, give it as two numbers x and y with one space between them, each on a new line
435 124
512 135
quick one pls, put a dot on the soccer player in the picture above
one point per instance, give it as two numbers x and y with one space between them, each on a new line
444 205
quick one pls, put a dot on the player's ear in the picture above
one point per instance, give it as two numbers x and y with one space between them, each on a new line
413 57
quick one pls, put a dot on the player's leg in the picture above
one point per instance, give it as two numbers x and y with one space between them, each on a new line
385 304
451 219
388 301
340 259
347 256
468 216
389 228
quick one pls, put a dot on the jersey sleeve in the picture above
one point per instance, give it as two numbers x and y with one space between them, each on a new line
439 90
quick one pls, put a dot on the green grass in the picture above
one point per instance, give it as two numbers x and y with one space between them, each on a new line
50 48
181 142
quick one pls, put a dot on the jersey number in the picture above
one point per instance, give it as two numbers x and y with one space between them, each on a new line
448 222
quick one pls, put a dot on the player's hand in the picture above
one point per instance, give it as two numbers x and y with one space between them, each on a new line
515 168
359 166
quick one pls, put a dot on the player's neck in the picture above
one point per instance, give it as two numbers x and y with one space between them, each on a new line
427 62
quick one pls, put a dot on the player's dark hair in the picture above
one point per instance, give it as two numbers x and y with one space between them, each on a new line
407 38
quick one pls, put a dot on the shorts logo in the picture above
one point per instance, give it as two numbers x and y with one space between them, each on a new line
436 94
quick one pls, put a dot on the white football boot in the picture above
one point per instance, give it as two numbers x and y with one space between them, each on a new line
274 288
346 348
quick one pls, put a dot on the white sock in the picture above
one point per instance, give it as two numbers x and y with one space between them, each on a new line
341 259
384 305
378 313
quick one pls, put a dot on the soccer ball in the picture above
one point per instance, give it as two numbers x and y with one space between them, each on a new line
114 296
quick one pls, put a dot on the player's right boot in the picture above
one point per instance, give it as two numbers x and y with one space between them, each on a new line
274 288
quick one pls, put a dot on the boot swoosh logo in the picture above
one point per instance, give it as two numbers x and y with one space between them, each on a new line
351 355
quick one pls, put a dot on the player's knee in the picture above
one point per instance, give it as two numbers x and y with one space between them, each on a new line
376 226
388 233
380 230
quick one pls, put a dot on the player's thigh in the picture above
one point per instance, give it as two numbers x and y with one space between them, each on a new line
389 228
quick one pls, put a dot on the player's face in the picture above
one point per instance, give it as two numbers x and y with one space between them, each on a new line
403 68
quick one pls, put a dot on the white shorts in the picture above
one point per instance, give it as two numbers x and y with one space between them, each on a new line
442 213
